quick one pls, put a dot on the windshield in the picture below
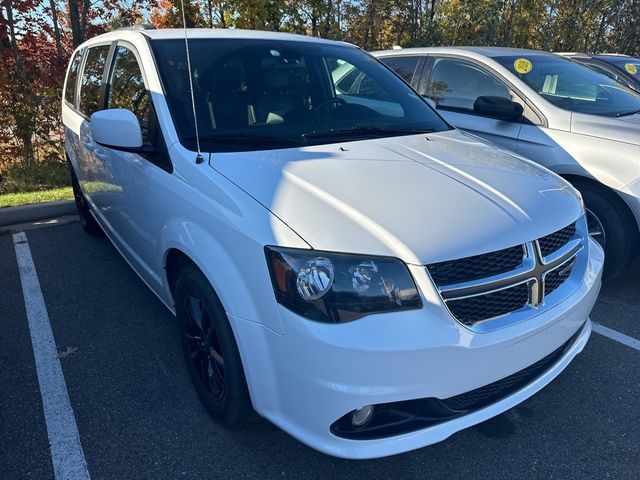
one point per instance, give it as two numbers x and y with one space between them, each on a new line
571 86
266 94
628 64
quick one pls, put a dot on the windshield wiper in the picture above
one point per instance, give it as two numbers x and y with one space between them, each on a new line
366 130
245 138
630 112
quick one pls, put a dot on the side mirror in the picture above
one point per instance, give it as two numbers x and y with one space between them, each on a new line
498 107
119 129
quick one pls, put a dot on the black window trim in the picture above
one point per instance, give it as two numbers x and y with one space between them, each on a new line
427 71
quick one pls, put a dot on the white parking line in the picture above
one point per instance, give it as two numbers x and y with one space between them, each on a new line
615 335
66 451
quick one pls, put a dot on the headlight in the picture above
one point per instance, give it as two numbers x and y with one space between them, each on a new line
338 287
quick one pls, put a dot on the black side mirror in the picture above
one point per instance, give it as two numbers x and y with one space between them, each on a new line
498 107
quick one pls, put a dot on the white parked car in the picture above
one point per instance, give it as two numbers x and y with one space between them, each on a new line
576 122
367 278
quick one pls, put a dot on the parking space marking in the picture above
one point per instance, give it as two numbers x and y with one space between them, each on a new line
615 335
66 451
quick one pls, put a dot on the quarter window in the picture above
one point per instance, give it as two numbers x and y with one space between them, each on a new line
92 79
456 84
127 89
72 78
404 66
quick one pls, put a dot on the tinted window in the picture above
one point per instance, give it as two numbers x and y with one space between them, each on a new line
254 94
628 64
600 69
574 87
92 79
404 66
456 84
72 77
127 89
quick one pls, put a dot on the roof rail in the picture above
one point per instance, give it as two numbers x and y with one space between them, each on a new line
140 26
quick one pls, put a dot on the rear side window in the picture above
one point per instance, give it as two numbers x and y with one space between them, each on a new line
404 66
72 78
92 79
127 89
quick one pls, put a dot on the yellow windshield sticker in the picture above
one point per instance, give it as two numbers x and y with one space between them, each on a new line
631 68
522 65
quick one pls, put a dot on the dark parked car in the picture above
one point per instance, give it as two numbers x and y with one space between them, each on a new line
622 68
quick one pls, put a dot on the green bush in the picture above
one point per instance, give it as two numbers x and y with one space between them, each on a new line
45 175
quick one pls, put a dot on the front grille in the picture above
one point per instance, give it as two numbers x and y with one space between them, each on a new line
556 240
478 266
482 307
496 391
555 278
506 281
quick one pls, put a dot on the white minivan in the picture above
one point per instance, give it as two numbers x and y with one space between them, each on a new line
363 275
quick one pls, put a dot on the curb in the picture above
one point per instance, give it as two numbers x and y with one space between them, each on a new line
35 212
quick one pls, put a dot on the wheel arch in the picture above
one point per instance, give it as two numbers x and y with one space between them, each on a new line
629 214
242 295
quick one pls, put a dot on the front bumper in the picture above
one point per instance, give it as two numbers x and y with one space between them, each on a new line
305 380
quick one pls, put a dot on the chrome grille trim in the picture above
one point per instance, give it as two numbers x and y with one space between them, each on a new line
532 270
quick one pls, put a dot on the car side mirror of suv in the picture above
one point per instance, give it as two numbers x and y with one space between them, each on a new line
118 129
498 107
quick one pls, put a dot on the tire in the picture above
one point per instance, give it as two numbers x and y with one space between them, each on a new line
87 221
210 350
610 224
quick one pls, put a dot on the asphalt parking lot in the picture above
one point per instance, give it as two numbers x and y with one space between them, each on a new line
138 417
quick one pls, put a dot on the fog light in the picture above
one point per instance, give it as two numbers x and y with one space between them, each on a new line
361 416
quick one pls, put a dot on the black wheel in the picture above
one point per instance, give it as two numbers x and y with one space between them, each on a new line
609 223
210 350
89 224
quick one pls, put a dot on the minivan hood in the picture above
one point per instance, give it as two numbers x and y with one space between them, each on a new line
624 129
420 198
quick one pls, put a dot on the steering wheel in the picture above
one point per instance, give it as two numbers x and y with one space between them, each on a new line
328 101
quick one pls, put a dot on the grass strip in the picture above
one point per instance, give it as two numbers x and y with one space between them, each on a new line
27 198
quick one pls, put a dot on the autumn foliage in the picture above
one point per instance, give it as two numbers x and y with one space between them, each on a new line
37 38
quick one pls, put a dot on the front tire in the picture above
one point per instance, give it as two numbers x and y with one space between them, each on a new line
210 349
87 221
609 224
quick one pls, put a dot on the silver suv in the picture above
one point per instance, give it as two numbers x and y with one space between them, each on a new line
578 123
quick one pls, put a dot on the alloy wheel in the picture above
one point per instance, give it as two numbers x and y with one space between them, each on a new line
595 228
204 347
